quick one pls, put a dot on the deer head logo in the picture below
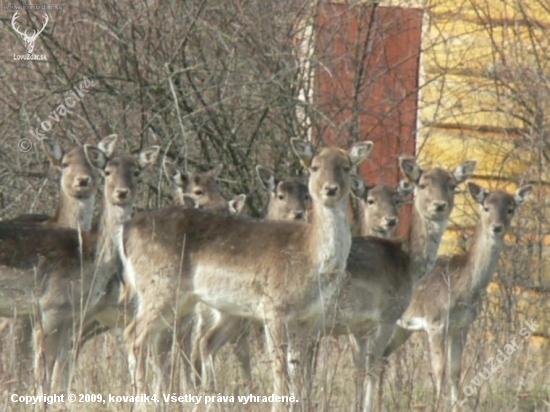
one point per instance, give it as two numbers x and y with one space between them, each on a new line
29 40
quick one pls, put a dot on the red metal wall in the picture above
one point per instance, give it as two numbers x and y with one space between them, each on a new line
386 103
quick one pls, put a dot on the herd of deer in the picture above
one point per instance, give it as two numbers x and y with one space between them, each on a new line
198 275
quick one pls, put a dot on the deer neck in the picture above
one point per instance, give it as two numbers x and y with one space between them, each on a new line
74 212
330 237
112 218
482 258
423 243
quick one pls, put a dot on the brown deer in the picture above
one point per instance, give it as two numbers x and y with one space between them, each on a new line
201 187
58 275
274 272
288 200
78 186
382 273
380 207
446 301
75 208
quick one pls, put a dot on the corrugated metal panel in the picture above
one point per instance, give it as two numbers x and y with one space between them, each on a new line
387 101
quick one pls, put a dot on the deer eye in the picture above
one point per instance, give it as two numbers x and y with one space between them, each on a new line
280 197
198 192
314 168
64 165
370 202
107 173
422 186
485 209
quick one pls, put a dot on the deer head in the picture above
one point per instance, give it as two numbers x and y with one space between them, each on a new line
29 40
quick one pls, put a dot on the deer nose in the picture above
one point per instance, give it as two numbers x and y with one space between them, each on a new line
440 206
331 190
391 221
298 215
498 228
122 194
83 181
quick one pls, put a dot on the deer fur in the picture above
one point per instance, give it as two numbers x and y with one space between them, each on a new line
59 275
382 274
288 200
446 301
274 272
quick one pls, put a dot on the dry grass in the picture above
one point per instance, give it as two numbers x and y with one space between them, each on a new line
520 385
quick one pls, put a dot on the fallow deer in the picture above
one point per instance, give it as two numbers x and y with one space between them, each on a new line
382 274
75 209
78 186
445 302
200 186
271 271
380 203
288 200
58 275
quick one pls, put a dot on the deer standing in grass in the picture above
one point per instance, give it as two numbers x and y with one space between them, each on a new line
288 200
60 275
446 301
75 209
381 274
271 271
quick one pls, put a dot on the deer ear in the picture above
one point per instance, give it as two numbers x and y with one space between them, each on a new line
108 144
360 151
267 178
170 169
53 150
477 192
522 193
465 170
303 150
410 169
236 205
215 172
358 187
149 156
96 157
404 189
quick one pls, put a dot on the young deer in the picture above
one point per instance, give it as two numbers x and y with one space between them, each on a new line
446 300
59 275
271 271
288 200
380 207
201 187
382 273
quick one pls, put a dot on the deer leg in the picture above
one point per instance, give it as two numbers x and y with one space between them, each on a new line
455 361
375 361
437 352
242 349
359 346
276 342
62 368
